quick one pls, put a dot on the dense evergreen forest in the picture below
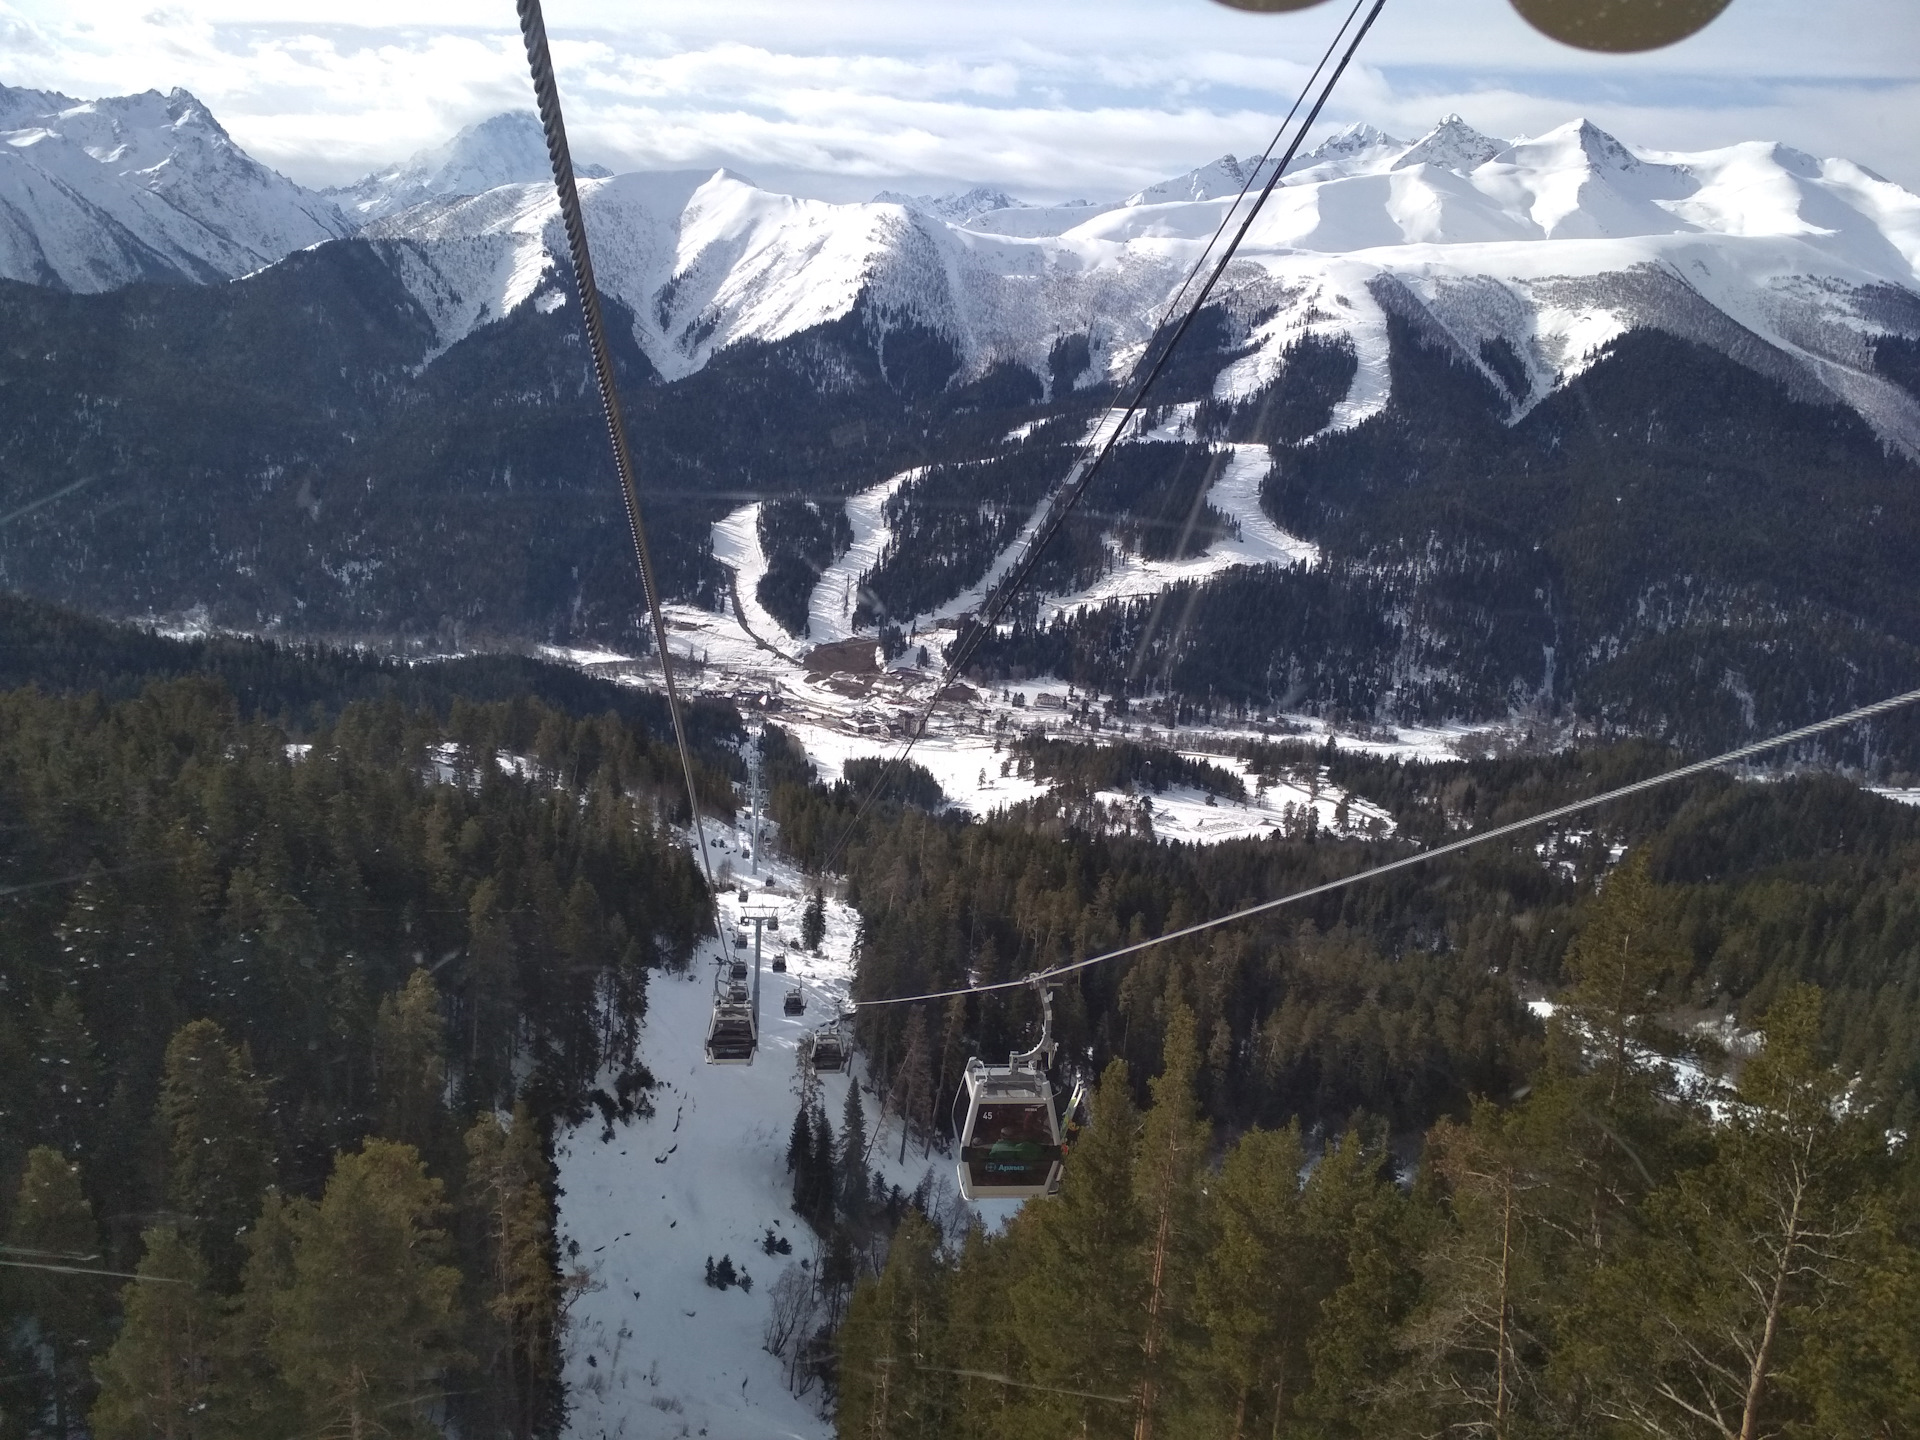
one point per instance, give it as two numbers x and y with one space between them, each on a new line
949 522
1672 544
272 986
299 992
800 538
1684 1206
1592 1260
1402 997
290 450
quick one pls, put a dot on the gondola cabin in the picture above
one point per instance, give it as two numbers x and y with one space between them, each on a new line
1010 1146
730 1036
796 1001
739 971
829 1053
739 939
779 964
737 993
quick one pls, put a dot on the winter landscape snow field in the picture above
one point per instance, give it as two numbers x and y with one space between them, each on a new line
654 1352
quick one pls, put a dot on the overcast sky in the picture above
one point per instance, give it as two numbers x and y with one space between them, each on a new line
1053 99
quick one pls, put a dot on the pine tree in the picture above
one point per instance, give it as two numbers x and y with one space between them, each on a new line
981 1339
491 995
220 1160
250 1397
911 1093
1858 1371
813 921
821 1173
157 1379
135 1184
1362 1223
1261 1282
1079 1289
365 1328
410 1065
505 1177
1619 961
891 1381
799 1149
1696 1330
71 1088
1478 1342
1173 1149
53 1224
852 1172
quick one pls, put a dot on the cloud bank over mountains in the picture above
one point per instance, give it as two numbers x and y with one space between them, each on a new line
1075 98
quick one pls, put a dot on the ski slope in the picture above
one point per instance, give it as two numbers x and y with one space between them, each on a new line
652 1351
1552 244
1235 493
736 545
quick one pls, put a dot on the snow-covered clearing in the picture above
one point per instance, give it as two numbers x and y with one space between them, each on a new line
1185 813
966 765
736 545
837 594
584 658
1235 493
653 1352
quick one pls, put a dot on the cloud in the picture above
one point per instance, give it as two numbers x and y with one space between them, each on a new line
1066 99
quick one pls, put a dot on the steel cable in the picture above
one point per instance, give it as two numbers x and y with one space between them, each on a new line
1084 470
533 31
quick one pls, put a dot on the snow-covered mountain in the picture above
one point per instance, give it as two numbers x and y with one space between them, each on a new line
97 194
1551 246
506 149
959 207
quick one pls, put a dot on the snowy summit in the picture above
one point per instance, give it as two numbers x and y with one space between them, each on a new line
506 149
96 194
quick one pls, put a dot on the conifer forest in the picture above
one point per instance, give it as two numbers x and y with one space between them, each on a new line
1005 784
299 993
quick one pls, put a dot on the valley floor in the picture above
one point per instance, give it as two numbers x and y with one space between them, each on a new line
845 713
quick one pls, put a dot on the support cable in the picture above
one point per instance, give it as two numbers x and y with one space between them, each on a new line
1253 174
1085 469
533 31
1759 747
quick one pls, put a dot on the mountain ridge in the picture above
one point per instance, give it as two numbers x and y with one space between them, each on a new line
505 149
1786 246
100 193
326 446
1782 245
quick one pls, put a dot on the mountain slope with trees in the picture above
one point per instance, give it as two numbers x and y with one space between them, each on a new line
294 1009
